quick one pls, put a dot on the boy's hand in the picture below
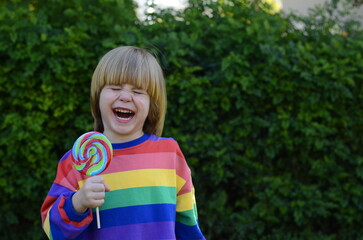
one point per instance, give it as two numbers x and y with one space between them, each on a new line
91 195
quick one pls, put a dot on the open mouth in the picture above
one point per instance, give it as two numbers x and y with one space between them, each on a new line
123 114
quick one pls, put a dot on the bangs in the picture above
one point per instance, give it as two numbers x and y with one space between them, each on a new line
125 67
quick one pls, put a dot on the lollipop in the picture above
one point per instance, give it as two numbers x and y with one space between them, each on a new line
91 154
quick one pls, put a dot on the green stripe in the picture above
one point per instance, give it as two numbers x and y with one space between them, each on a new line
139 196
188 217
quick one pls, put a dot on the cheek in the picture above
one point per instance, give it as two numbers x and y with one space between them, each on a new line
104 104
106 98
144 103
148 107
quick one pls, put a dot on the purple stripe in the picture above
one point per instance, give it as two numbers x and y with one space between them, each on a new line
144 231
65 156
57 190
67 231
156 138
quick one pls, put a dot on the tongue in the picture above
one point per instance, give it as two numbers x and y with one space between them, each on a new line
124 115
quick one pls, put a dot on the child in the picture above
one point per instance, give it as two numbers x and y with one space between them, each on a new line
146 193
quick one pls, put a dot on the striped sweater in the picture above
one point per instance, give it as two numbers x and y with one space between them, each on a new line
151 197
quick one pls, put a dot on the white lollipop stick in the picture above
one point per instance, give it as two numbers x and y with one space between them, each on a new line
98 218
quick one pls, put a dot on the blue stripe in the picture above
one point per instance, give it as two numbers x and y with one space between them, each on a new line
55 221
54 230
71 212
185 232
132 143
136 214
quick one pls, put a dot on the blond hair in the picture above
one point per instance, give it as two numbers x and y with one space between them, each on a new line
136 66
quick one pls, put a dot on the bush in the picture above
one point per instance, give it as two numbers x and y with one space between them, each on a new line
48 56
268 114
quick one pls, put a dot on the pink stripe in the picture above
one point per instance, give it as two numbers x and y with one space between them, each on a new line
141 161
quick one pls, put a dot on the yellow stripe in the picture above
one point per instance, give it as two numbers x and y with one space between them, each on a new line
46 225
185 202
179 183
140 178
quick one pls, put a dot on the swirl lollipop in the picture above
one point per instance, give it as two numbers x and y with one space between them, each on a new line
91 154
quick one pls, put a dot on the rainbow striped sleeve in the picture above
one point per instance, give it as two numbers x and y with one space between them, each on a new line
186 226
59 219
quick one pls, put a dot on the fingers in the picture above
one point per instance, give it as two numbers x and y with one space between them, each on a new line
94 187
95 195
96 203
98 180
91 195
95 179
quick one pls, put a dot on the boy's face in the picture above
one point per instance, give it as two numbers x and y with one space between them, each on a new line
124 109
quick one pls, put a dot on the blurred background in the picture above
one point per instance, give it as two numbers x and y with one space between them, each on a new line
264 98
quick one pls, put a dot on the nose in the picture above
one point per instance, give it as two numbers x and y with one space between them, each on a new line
125 95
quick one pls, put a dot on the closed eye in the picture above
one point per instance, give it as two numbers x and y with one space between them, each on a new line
139 91
114 87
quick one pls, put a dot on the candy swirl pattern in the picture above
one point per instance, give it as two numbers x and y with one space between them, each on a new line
92 153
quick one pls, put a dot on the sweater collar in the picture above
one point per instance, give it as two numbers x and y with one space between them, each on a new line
132 143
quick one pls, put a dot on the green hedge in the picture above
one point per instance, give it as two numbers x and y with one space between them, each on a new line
269 115
48 52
